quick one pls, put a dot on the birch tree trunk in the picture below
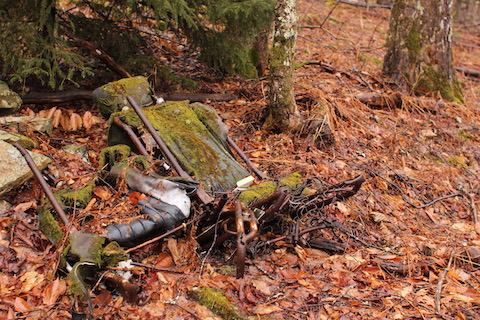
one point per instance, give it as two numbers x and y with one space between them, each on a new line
282 112
419 48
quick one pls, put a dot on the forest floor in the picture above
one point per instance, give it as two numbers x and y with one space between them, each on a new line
412 245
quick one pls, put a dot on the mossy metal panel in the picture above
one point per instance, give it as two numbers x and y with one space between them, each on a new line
191 134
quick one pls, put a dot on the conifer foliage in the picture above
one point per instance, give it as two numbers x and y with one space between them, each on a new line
36 43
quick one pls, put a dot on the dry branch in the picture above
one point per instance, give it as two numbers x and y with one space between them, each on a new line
99 53
366 5
438 292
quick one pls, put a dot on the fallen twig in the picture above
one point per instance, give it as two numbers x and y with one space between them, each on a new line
469 72
365 5
438 292
99 53
431 202
472 205
243 238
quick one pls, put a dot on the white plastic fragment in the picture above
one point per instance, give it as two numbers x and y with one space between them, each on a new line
245 182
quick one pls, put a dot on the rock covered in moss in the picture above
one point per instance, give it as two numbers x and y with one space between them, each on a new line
49 226
14 170
10 101
112 97
13 137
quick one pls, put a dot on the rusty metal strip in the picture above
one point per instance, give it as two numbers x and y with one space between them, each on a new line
48 192
201 194
136 141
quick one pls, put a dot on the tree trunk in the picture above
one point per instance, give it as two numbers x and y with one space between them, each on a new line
419 48
282 112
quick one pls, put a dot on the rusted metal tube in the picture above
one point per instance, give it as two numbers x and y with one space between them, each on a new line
244 157
201 194
220 205
136 141
43 183
243 238
166 152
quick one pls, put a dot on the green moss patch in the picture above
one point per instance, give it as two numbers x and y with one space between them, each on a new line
266 188
49 226
215 300
76 198
196 137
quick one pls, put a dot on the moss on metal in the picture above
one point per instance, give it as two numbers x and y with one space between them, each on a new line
266 188
191 132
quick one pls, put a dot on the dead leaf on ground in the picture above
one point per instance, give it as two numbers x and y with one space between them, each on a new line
53 291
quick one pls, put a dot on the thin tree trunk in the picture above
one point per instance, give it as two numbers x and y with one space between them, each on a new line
419 48
282 112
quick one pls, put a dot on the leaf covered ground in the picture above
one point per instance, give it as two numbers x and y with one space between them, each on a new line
412 245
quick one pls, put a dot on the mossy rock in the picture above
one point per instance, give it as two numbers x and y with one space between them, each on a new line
10 101
87 247
13 137
195 135
112 97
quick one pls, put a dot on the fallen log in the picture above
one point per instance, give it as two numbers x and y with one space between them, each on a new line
79 95
56 97
380 101
469 72
198 97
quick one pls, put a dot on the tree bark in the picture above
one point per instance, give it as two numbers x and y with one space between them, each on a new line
419 48
282 112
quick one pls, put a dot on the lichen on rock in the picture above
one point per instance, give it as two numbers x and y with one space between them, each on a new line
112 97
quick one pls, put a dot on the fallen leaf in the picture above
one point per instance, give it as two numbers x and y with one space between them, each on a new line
21 305
102 192
262 286
56 118
30 112
264 309
477 227
134 197
25 206
53 290
65 122
51 112
75 121
31 279
87 120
